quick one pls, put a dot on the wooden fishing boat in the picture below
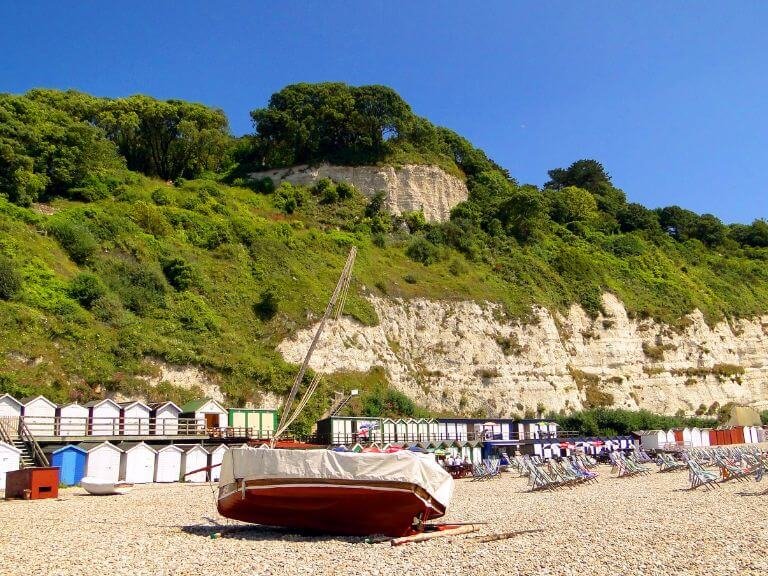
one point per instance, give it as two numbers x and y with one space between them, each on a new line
331 492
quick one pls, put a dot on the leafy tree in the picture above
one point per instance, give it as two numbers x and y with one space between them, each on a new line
524 212
572 204
756 234
586 174
678 222
710 230
637 217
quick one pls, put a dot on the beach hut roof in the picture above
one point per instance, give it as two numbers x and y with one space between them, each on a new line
125 405
12 399
128 446
91 446
159 405
10 447
94 403
195 405
166 447
29 399
53 449
191 447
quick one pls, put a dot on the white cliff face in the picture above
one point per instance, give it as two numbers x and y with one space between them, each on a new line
409 188
464 357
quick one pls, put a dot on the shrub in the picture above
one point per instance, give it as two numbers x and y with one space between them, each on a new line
345 190
178 273
161 197
10 281
422 250
86 288
415 220
457 267
150 219
410 279
268 305
288 198
75 239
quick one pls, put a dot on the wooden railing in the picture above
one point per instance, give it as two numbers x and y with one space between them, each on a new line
63 427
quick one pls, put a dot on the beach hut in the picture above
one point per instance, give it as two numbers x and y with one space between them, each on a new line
686 437
216 456
194 458
260 423
168 463
70 460
208 413
433 432
388 430
737 435
103 460
72 420
10 408
39 415
135 417
671 440
713 437
653 439
164 419
401 429
704 437
103 417
761 434
10 461
411 430
137 462
695 437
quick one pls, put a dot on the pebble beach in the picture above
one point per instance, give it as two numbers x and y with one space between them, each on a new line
647 525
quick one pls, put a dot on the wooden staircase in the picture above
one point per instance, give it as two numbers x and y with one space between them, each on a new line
20 437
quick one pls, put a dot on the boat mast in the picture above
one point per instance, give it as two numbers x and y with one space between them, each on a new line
334 308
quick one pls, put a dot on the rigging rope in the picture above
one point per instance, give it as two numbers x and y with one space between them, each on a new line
334 307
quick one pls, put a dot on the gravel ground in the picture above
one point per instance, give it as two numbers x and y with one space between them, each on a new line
645 525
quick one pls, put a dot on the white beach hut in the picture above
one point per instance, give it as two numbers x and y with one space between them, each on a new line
168 463
704 435
750 434
103 417
388 430
411 430
10 460
761 434
653 439
208 413
165 419
72 420
137 462
670 438
103 460
695 437
217 455
39 415
687 442
194 458
10 408
135 416
402 430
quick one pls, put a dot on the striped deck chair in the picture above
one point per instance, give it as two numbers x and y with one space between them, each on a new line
700 477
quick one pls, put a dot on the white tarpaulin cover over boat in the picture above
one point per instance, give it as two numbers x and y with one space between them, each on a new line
334 492
402 466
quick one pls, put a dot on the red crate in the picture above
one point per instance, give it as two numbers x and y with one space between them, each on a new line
32 483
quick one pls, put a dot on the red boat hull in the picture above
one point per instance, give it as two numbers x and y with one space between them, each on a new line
355 508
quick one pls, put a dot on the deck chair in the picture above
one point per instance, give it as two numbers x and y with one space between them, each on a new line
700 477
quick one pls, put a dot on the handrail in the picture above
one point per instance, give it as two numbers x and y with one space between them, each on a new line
27 438
4 435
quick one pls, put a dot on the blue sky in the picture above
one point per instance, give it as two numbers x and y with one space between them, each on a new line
671 97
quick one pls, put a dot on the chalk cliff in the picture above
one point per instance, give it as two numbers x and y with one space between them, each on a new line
408 188
466 357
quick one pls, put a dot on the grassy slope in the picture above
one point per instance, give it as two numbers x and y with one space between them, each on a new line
238 244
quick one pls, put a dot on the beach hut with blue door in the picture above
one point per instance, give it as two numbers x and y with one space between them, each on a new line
70 460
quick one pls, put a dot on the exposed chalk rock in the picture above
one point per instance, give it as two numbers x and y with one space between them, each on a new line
410 187
465 357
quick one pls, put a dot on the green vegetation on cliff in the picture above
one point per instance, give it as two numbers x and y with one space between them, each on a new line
107 266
